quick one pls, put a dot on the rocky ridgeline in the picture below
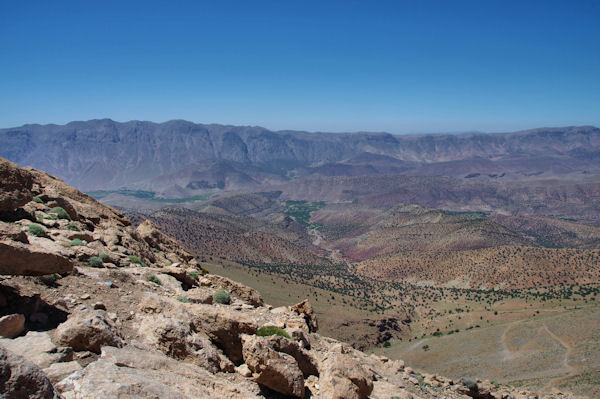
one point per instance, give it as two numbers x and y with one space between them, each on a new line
124 312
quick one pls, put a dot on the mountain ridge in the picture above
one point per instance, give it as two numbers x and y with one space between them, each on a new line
104 154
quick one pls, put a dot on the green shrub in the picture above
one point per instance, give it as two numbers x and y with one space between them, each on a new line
152 278
37 230
38 200
472 385
183 299
104 256
267 331
136 260
387 344
95 261
194 275
76 243
60 213
73 227
222 297
51 216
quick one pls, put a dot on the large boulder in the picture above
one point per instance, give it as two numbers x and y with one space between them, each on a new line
275 370
140 372
88 330
306 361
173 336
37 347
16 186
224 326
20 378
12 325
41 257
342 377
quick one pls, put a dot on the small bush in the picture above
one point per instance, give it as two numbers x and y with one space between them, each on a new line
472 385
222 297
49 279
73 227
267 331
194 275
76 243
51 216
38 200
95 261
136 260
387 344
104 256
152 278
425 347
183 299
60 213
37 230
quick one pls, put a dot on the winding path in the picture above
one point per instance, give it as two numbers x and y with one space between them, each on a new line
570 370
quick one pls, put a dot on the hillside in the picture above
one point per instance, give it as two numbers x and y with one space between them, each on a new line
489 268
238 238
362 232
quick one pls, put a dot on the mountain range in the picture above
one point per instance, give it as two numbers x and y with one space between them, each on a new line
180 158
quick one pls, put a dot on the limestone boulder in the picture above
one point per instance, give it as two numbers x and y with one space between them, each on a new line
342 377
42 256
58 371
88 330
135 371
37 347
305 360
275 370
20 378
224 326
172 334
12 325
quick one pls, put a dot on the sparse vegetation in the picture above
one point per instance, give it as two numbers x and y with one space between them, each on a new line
95 261
73 227
267 331
60 213
222 297
153 279
194 275
37 200
104 256
136 260
183 299
37 230
76 243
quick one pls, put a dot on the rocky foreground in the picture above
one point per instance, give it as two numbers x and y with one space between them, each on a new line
92 308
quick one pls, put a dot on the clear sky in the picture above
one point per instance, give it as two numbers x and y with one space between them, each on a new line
396 66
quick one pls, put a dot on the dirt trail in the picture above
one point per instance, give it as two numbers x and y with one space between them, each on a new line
570 370
506 352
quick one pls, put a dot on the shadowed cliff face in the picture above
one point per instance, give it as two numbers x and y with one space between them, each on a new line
103 154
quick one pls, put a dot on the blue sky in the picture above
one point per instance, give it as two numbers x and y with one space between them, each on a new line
396 66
